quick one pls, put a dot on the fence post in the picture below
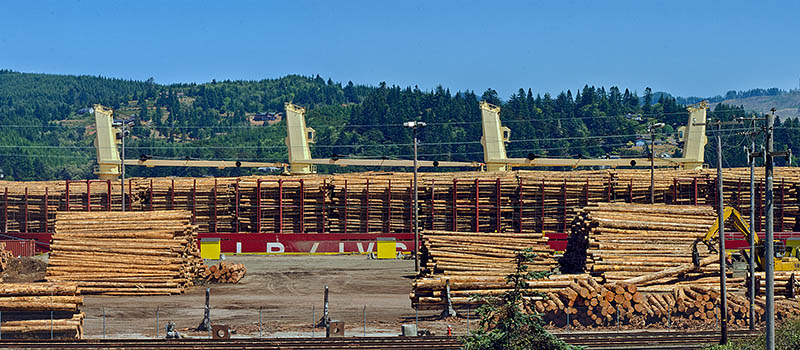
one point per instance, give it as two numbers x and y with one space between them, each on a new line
260 318
416 319
156 335
617 317
669 318
468 311
104 323
567 313
365 320
313 321
1 325
51 324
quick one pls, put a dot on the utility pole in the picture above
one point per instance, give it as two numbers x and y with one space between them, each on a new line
752 240
769 240
414 125
721 217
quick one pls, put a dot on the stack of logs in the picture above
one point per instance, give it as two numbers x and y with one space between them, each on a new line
125 253
786 284
620 241
34 310
585 303
481 254
476 264
224 273
5 256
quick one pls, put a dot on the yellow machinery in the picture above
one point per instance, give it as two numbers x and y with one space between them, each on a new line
495 136
786 257
108 159
298 137
387 248
210 248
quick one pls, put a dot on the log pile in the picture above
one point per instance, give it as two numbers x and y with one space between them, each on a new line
431 292
481 254
620 241
224 273
27 310
125 253
586 304
5 256
786 284
475 264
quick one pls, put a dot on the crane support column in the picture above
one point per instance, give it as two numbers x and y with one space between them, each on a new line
108 160
694 136
298 136
495 135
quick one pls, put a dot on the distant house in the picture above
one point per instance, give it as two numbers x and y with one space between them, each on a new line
640 143
265 117
86 110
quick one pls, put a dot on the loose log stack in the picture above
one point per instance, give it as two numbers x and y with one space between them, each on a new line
786 284
586 304
125 253
620 241
431 292
27 308
224 273
5 256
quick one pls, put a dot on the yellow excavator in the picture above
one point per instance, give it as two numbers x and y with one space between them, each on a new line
787 257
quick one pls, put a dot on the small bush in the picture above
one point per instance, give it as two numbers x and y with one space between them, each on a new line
504 323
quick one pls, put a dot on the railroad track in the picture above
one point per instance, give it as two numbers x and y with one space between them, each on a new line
623 340
349 343
661 340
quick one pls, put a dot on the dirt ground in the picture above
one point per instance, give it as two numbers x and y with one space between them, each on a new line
286 292
24 270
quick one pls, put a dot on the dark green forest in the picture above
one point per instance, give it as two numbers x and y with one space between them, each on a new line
47 134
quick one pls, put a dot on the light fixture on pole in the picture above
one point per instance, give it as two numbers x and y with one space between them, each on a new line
652 130
123 132
414 125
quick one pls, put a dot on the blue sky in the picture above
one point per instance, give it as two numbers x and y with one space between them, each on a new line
683 47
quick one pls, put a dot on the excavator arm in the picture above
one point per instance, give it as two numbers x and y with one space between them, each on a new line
711 238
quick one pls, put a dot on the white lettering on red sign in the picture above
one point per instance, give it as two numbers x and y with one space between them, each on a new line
275 247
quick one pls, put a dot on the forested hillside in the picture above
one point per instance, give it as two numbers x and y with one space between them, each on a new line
45 135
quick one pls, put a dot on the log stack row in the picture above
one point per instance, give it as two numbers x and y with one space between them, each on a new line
224 272
41 310
522 201
621 241
125 253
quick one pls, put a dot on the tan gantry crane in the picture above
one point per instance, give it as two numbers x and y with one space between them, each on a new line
495 136
108 157
298 137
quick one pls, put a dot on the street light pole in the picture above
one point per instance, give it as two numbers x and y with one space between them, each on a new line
123 131
414 125
652 160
